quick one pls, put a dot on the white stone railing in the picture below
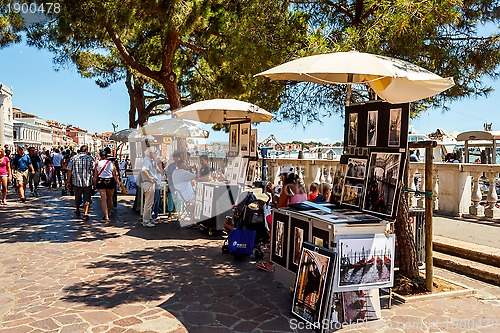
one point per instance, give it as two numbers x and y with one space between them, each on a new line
459 189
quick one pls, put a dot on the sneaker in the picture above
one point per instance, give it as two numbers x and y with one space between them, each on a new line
156 220
36 193
148 224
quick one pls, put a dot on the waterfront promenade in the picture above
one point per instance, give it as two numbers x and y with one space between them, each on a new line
62 274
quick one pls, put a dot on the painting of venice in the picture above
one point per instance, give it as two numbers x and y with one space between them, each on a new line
365 262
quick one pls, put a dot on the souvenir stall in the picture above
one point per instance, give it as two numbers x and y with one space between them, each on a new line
337 256
214 200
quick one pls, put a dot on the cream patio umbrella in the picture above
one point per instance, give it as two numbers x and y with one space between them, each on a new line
219 111
176 128
394 80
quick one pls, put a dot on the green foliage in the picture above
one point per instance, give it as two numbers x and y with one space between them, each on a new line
441 36
11 24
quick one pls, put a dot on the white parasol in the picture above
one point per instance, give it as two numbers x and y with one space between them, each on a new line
219 111
394 80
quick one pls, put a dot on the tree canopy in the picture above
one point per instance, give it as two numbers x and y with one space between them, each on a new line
11 24
200 49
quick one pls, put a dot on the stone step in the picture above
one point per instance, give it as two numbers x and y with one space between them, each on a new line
474 252
477 270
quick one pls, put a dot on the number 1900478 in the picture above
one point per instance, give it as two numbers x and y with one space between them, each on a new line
18 7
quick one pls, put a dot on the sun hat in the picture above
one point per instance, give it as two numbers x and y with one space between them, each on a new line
287 169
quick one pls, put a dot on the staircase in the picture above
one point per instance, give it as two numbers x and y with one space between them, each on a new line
477 261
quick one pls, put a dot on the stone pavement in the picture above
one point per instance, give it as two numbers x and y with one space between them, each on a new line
61 274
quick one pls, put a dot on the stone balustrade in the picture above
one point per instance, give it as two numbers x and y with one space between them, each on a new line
459 189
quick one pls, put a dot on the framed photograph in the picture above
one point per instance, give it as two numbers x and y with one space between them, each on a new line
235 171
352 195
198 206
384 172
299 232
361 305
245 139
279 244
321 237
234 132
253 143
252 169
353 130
312 290
365 262
356 168
242 173
395 127
208 199
371 129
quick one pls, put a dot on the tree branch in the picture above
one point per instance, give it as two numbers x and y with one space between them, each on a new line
171 42
154 104
127 56
193 47
341 9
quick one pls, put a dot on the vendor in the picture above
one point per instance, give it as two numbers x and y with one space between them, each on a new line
205 173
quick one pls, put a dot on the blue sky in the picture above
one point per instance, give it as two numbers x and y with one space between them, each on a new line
66 97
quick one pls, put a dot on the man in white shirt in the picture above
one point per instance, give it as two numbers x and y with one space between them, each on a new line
148 180
57 161
182 180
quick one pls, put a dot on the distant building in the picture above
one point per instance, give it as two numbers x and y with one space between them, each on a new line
26 134
80 137
6 117
58 130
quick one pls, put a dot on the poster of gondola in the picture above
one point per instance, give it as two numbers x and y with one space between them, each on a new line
365 262
311 283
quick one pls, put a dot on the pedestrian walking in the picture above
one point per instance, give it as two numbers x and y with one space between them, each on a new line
34 178
22 167
48 168
80 176
57 159
5 175
148 179
105 180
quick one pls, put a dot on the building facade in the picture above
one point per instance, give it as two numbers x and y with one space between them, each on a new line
6 117
26 134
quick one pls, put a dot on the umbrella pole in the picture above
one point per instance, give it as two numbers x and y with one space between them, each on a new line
348 97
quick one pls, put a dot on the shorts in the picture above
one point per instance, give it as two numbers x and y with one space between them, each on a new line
4 176
106 183
35 177
21 177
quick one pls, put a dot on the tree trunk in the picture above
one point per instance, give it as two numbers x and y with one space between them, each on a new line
407 252
132 122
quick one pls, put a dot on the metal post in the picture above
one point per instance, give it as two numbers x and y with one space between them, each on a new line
429 272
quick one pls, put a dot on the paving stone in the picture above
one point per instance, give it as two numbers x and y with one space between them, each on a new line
199 318
246 326
75 328
129 321
46 324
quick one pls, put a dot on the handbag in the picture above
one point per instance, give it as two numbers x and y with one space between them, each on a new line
241 242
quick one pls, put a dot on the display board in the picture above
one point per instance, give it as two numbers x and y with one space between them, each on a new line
375 145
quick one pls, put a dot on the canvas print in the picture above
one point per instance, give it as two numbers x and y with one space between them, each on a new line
395 127
197 209
235 172
253 142
252 169
356 168
320 237
371 135
310 285
280 236
365 262
381 183
352 138
245 139
233 138
298 238
243 171
318 241
338 184
361 305
208 200
352 195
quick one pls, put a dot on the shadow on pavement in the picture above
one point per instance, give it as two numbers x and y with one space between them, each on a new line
205 289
